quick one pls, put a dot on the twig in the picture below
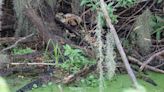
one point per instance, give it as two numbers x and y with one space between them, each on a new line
150 59
147 66
33 64
118 43
159 65
14 39
15 44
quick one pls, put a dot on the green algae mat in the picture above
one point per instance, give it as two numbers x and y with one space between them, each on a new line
117 84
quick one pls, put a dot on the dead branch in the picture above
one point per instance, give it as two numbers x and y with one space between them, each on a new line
47 64
14 39
9 39
150 59
15 44
159 65
118 43
132 59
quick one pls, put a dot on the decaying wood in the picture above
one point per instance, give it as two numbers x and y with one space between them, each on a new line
47 35
118 43
42 30
146 66
11 70
30 56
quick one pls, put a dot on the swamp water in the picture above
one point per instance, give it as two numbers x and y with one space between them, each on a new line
117 84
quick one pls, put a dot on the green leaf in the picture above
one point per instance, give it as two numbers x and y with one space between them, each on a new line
84 2
159 1
158 35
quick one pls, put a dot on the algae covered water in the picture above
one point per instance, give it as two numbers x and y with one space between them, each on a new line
117 84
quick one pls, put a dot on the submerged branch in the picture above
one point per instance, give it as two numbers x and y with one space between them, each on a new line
150 59
146 66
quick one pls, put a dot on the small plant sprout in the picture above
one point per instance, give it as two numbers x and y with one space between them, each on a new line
75 60
56 52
